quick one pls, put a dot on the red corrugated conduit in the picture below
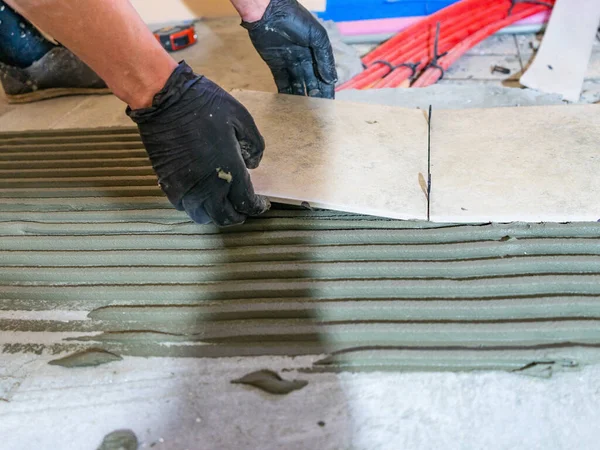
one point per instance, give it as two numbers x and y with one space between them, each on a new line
410 55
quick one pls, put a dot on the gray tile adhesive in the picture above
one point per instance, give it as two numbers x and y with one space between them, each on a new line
92 257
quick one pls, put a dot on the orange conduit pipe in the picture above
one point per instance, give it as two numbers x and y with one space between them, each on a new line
411 39
432 74
462 25
451 38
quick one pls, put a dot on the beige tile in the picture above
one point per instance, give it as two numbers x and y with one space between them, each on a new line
96 111
39 115
516 164
341 155
4 105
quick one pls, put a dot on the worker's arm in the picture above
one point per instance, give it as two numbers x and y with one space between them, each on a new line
293 43
110 37
200 139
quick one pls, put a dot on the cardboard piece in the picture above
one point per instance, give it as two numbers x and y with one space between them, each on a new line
560 64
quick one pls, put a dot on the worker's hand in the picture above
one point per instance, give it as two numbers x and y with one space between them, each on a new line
296 48
200 141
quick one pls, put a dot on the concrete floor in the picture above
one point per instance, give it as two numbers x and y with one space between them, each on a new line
190 403
180 404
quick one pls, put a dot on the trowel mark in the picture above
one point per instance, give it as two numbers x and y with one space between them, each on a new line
271 382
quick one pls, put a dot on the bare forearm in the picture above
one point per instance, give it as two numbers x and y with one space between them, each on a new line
250 10
111 38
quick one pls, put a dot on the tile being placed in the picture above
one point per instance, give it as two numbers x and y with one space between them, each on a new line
535 164
339 155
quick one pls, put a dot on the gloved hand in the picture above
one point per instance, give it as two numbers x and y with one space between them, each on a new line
296 48
200 141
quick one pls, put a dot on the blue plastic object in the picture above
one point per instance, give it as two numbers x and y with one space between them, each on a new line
349 10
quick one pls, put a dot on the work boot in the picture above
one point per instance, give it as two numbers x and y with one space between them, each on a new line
59 72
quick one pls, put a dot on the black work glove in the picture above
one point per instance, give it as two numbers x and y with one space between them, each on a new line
296 48
200 141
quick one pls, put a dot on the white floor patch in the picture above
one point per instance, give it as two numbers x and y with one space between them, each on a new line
191 404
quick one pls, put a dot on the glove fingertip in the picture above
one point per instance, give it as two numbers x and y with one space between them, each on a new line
251 143
251 154
323 55
327 91
195 210
254 205
327 70
262 205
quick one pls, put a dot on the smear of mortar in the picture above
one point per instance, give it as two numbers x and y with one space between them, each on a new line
224 175
271 382
86 358
119 440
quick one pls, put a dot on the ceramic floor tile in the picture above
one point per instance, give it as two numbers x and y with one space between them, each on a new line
39 115
96 111
480 67
516 164
4 105
339 155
